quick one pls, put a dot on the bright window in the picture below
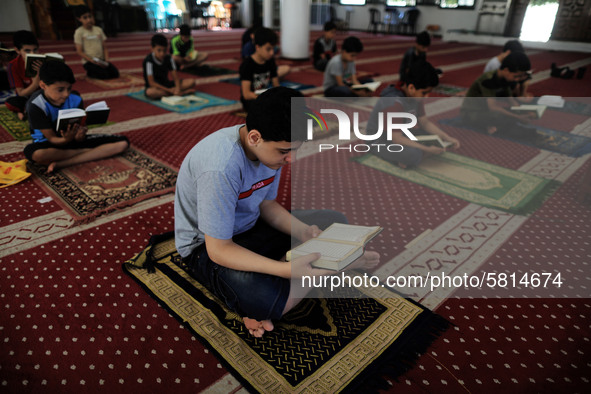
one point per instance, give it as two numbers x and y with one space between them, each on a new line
456 3
352 2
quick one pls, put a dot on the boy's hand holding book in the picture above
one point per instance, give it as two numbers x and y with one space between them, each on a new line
434 150
69 134
340 245
96 113
100 62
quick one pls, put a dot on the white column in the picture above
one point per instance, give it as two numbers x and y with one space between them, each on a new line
246 13
295 29
268 13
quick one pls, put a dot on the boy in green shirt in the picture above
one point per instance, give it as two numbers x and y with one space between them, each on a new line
183 51
493 95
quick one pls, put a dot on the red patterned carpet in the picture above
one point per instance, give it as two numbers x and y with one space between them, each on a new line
72 321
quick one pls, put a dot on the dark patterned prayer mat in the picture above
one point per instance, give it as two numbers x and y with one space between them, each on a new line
324 345
93 188
18 129
287 84
552 140
208 71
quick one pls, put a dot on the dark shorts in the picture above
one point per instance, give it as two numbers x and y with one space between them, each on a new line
167 84
251 294
91 141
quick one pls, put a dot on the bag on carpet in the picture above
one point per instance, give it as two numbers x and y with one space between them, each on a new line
13 173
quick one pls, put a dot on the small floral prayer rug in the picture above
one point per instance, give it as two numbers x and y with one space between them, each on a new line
90 189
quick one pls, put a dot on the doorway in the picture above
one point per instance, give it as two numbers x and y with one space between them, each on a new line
539 20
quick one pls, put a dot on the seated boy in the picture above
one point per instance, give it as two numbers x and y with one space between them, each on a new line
249 48
183 51
230 230
512 46
89 40
58 149
491 112
156 67
258 71
25 42
420 80
325 46
416 54
340 72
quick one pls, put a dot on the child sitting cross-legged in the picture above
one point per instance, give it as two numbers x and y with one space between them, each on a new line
57 149
89 40
405 97
156 67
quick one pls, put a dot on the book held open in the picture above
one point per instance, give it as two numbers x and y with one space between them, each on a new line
32 57
551 101
182 100
339 245
96 113
433 140
101 62
371 86
535 108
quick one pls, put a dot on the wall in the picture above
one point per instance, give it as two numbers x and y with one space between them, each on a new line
13 16
447 19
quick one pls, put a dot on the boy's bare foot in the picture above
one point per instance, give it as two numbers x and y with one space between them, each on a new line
51 167
402 165
491 130
257 328
20 115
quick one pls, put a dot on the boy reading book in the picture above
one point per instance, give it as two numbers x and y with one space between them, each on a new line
230 231
415 55
325 46
25 43
89 40
490 112
511 46
156 67
183 49
258 71
340 72
419 82
57 149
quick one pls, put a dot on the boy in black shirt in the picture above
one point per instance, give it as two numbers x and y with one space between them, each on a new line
259 71
416 54
156 67
325 46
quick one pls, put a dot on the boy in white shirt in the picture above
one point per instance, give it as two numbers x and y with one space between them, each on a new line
89 40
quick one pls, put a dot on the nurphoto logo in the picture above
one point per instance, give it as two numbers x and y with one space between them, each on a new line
348 128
